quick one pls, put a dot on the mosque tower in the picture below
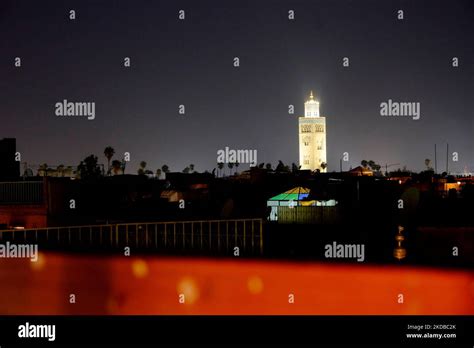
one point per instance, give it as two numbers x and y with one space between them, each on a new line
312 137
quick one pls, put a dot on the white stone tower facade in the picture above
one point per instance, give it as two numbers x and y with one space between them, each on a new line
312 137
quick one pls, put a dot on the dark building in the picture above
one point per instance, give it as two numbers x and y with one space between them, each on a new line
9 167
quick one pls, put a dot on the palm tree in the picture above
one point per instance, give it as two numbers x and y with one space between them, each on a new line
109 152
364 163
268 166
324 165
186 170
220 165
165 168
191 168
236 166
230 165
158 173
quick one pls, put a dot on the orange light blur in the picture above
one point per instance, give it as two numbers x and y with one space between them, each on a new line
152 285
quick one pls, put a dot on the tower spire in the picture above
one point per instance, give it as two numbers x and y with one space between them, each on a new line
311 106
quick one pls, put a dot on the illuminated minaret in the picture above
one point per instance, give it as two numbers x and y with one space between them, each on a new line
312 137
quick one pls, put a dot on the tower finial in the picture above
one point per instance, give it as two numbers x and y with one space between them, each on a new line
311 95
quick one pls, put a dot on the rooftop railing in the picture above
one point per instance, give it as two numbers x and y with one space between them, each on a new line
210 236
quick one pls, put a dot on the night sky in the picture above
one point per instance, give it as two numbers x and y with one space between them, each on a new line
190 62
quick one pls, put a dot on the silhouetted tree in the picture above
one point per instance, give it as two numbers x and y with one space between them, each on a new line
220 165
141 170
88 168
295 168
370 164
281 167
109 152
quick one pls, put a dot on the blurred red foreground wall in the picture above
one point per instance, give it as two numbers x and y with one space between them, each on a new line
152 285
